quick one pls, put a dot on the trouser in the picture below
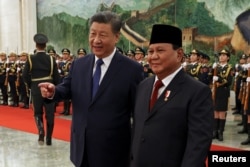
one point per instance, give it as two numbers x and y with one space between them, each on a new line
38 104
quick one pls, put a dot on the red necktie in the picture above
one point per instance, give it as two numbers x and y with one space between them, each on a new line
157 86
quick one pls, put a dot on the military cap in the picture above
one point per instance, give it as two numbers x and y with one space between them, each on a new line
224 51
162 33
195 51
40 38
205 56
2 54
12 54
23 53
244 56
81 51
130 52
139 50
51 51
65 50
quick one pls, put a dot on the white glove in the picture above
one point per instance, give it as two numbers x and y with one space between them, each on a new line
18 69
57 61
244 66
248 79
7 69
236 65
214 65
247 66
236 74
59 71
215 78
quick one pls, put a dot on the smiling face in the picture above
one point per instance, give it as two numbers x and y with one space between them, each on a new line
102 39
163 59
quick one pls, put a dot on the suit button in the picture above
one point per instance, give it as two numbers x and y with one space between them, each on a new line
142 139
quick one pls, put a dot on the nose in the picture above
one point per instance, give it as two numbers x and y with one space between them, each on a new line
97 39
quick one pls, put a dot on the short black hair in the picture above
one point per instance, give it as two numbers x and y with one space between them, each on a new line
107 17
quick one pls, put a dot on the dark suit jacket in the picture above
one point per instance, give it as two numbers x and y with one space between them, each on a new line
178 130
101 127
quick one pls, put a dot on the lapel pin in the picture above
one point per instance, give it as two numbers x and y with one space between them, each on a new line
167 94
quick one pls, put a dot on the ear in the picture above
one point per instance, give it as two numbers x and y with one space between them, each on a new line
117 37
180 54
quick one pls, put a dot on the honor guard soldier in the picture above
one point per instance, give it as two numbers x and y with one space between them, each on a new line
12 77
222 80
242 95
64 69
246 112
22 87
41 67
52 52
3 80
193 68
239 73
139 57
81 52
206 70
131 54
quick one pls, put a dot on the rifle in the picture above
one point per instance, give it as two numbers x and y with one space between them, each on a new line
18 75
214 86
7 74
247 92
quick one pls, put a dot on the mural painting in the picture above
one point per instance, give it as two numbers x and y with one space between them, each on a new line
207 25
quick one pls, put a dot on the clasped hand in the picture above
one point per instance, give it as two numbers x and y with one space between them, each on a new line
47 89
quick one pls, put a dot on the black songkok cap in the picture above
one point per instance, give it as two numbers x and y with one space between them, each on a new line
162 33
40 39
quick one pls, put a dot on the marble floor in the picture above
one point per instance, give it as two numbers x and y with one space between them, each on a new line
20 149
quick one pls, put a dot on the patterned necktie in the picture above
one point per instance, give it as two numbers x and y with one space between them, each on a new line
96 77
157 86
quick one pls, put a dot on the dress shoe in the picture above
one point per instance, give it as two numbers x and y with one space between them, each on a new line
14 105
240 124
25 107
63 112
234 108
4 103
244 130
246 142
236 112
66 113
48 142
41 140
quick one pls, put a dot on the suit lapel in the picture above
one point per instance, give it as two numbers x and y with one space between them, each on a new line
173 88
88 70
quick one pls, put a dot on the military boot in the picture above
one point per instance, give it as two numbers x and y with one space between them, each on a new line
221 129
216 128
244 121
39 124
247 141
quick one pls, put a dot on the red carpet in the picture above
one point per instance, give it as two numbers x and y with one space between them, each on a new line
22 119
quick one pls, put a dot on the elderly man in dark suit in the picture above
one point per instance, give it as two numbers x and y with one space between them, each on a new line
172 125
101 130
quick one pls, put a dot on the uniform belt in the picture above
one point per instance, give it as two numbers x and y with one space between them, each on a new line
41 79
12 74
